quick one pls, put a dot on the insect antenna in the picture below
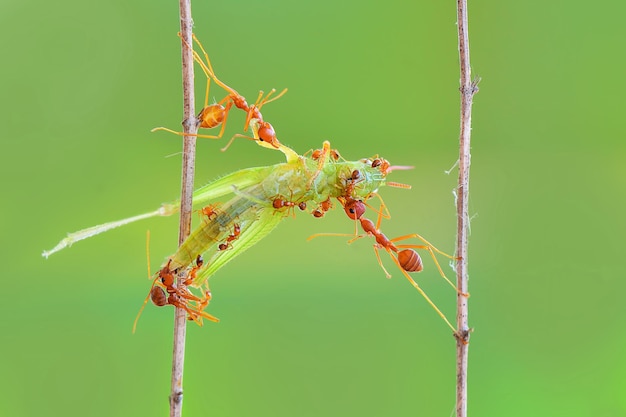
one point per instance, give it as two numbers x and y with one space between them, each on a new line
150 294
386 168
398 185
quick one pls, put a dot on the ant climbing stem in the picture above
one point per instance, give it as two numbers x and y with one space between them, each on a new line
264 131
165 293
216 114
180 297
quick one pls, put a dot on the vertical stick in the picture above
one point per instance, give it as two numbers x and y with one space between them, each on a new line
187 175
468 89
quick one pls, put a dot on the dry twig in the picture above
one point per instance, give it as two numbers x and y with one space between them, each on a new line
187 175
468 89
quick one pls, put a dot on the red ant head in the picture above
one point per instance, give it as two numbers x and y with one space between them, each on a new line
354 209
376 162
167 275
382 164
267 134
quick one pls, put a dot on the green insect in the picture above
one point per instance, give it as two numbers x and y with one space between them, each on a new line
260 199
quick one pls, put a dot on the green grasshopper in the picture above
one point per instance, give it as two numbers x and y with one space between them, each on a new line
260 198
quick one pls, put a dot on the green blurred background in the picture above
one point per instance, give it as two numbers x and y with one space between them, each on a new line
314 328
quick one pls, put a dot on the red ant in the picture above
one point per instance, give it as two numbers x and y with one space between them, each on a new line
351 182
194 271
385 168
167 294
215 114
279 203
321 155
209 212
230 238
323 207
407 258
168 279
403 255
201 303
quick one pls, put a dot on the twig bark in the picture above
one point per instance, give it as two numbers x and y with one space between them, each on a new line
468 89
187 176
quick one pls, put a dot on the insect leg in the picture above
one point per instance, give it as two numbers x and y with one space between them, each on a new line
421 291
322 158
431 250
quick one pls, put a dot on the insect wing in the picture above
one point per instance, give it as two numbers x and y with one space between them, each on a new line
223 186
253 229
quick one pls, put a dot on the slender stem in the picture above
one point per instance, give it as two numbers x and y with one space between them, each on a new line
187 175
468 89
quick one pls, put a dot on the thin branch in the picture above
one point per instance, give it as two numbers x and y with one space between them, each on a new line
187 175
468 89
